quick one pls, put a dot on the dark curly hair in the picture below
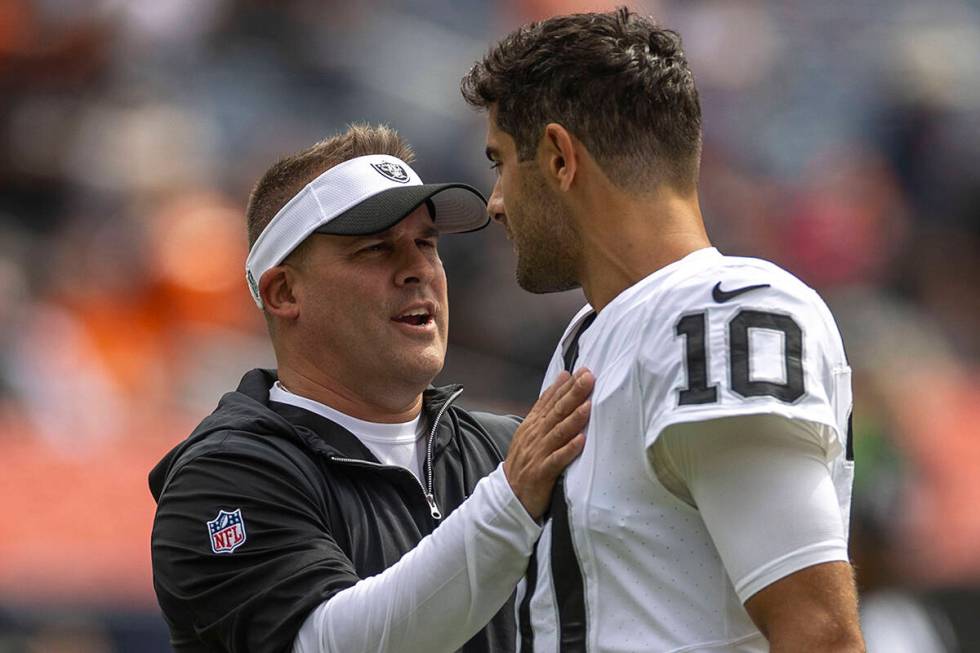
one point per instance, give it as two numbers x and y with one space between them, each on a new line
616 80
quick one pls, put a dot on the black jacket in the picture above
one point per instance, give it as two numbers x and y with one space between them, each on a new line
315 510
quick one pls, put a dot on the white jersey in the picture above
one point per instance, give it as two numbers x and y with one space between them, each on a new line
706 337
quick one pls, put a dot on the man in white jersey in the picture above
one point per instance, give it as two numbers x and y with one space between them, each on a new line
709 509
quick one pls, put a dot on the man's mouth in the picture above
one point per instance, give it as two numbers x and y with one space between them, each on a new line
418 317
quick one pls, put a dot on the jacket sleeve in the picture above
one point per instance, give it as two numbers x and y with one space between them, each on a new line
240 549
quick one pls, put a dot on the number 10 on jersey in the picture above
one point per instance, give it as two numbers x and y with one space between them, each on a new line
694 328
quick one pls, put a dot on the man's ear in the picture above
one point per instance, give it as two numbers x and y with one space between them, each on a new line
277 287
561 158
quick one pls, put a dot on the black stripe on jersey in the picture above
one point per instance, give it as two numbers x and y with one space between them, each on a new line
570 608
571 352
524 609
849 448
566 574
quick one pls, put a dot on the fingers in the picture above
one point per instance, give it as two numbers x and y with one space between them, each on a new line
568 397
549 439
559 401
573 393
572 424
564 384
564 455
545 401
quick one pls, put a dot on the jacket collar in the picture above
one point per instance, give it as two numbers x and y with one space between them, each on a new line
331 439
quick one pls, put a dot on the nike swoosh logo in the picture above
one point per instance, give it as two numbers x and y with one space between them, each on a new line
722 296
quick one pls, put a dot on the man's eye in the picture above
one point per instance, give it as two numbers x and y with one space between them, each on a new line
426 243
495 166
377 247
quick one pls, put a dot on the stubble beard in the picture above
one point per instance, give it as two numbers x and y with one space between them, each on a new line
546 243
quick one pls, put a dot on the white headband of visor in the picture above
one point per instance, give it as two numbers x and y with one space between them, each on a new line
330 195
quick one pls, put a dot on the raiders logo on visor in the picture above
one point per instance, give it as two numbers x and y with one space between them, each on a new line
392 171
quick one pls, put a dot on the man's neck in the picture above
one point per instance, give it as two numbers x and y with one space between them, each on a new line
328 391
625 239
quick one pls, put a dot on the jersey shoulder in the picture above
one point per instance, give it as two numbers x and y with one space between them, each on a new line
726 286
740 336
742 282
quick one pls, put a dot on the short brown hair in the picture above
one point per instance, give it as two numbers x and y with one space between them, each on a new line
616 80
289 175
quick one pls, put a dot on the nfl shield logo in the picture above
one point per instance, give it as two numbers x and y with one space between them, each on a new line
227 531
392 171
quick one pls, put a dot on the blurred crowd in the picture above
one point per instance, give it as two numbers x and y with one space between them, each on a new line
842 141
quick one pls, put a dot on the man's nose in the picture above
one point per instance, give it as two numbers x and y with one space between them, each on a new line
414 267
495 205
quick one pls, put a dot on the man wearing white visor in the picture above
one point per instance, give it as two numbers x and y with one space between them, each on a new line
302 514
362 196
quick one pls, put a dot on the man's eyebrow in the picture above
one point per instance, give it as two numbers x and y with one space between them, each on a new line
430 232
356 238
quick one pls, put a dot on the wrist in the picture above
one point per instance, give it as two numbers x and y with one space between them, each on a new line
511 501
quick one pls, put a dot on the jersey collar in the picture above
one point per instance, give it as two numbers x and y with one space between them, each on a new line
695 260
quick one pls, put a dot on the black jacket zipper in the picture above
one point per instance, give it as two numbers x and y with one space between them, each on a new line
427 490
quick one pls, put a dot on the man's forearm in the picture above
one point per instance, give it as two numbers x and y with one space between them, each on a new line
821 638
439 594
821 621
811 611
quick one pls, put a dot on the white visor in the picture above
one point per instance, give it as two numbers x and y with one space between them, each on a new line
361 196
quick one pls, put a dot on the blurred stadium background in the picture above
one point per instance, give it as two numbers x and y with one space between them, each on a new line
842 141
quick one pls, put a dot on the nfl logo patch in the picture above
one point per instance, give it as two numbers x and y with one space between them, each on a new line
227 531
